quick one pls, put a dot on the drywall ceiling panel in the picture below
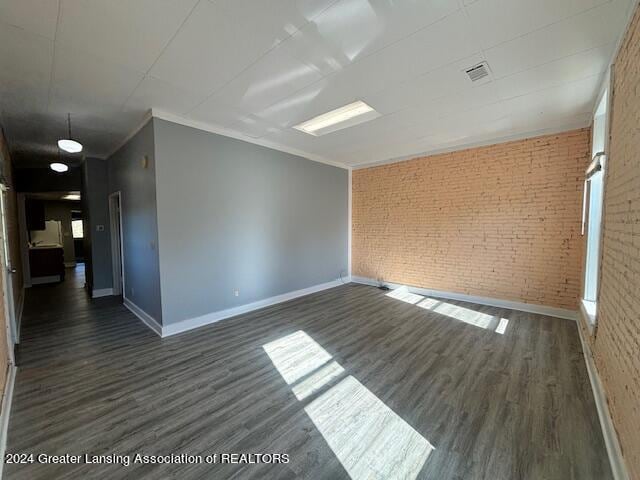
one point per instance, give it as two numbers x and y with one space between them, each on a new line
130 33
25 68
567 69
34 16
256 69
82 83
593 28
220 39
415 55
163 96
275 76
497 21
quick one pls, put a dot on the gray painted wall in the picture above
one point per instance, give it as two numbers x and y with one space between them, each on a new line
139 220
96 212
236 215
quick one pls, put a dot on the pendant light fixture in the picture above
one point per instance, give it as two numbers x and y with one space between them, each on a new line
59 166
68 144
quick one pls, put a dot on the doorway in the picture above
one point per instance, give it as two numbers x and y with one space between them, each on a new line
50 226
115 218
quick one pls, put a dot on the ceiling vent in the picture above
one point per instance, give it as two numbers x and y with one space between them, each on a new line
478 72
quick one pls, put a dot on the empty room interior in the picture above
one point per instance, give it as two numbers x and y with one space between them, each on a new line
320 239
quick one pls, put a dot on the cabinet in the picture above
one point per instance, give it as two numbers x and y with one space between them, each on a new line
34 211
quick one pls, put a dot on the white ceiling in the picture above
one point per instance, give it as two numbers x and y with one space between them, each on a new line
256 68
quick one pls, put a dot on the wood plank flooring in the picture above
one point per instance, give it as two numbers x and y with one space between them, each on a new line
378 388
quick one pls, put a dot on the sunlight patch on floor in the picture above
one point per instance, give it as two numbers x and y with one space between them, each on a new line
463 314
296 355
370 440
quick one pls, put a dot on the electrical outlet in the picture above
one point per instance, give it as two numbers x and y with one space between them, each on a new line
236 292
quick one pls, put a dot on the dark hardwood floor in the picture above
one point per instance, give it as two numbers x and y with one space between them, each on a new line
349 383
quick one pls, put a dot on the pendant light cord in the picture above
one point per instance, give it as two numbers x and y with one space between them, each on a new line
69 123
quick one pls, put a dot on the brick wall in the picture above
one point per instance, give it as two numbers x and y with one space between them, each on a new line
501 221
616 344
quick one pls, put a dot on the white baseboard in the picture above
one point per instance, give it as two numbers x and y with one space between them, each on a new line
102 292
47 279
616 459
7 399
209 318
147 319
492 302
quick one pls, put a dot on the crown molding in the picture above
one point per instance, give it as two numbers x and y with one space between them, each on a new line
211 128
143 122
480 143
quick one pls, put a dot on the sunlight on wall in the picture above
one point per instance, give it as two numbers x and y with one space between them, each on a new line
466 315
368 438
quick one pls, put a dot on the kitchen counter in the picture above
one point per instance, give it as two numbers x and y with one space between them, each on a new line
46 263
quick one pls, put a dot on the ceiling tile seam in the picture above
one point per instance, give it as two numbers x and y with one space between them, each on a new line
561 84
463 8
618 43
527 134
417 77
535 30
164 48
564 57
571 117
24 30
475 32
328 75
184 20
324 77
53 57
484 105
489 104
631 7
446 116
274 47
507 99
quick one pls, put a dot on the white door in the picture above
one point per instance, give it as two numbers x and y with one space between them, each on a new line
7 277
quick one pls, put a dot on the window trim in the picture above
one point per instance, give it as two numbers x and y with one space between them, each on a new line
588 309
72 232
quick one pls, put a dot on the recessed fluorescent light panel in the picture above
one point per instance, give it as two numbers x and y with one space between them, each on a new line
343 117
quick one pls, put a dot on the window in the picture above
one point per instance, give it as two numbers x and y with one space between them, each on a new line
592 208
76 229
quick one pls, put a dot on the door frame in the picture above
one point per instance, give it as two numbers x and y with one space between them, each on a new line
13 336
117 254
24 240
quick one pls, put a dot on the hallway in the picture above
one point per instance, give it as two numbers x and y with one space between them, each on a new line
481 401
